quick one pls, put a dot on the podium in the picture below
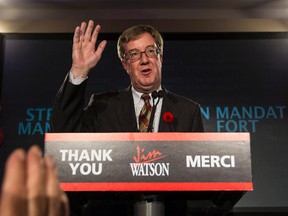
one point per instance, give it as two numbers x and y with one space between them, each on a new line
211 171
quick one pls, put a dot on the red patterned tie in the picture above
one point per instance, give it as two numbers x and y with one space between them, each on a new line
145 113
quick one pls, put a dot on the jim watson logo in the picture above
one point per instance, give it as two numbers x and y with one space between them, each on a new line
145 163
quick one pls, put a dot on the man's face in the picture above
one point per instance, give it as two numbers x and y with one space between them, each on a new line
145 73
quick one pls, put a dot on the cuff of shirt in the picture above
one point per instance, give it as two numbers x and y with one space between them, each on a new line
77 80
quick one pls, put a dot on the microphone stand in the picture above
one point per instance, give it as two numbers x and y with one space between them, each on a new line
150 204
155 95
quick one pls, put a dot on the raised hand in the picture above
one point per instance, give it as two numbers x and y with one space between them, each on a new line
85 55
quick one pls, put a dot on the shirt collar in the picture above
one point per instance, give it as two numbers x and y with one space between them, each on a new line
137 95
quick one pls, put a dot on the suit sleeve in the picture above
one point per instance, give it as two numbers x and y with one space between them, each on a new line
68 107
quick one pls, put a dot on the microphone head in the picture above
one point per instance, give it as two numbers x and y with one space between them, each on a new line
160 93
154 94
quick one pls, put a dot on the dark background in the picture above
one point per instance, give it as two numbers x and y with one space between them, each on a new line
221 71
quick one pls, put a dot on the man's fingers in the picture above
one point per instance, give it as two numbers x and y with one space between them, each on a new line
64 204
36 181
103 43
83 27
89 30
101 48
82 31
13 196
76 37
15 172
58 204
95 34
52 188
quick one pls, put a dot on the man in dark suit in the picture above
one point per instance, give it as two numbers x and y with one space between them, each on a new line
140 49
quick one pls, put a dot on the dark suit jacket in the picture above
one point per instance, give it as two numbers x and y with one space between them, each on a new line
114 112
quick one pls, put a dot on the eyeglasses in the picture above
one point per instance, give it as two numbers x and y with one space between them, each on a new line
135 54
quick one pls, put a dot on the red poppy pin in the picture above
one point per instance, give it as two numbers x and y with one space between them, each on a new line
168 117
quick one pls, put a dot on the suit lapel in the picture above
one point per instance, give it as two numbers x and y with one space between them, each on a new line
125 111
168 105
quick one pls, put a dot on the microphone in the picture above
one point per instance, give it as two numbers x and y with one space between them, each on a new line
155 95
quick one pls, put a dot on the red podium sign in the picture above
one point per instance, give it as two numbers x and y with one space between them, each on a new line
152 161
